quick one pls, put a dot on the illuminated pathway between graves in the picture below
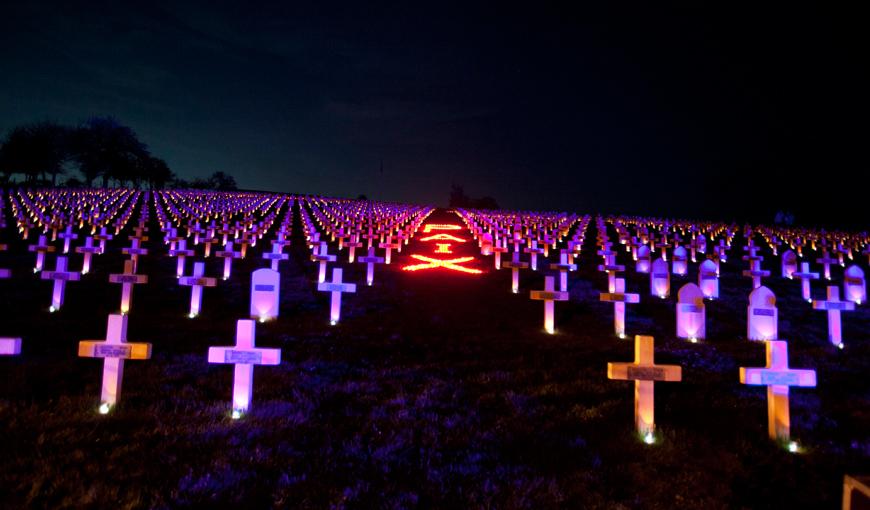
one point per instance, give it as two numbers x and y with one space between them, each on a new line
443 244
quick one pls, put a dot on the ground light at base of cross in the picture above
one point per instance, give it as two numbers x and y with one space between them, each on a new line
235 414
649 438
104 408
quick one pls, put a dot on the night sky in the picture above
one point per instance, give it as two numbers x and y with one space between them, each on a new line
727 114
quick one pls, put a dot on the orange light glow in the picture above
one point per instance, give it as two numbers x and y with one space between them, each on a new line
439 226
453 264
443 237
443 248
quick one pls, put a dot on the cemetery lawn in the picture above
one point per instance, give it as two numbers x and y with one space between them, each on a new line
437 389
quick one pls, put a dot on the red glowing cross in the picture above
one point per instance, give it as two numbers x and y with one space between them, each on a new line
438 226
443 237
452 264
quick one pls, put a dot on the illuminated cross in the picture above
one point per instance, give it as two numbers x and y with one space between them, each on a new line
804 275
88 250
619 298
173 238
534 251
322 258
370 260
564 266
756 273
181 252
777 376
515 265
41 248
276 255
431 263
826 262
834 306
644 372
228 255
60 275
439 226
498 248
548 296
68 236
127 279
196 283
389 246
134 250
336 287
352 245
244 355
102 237
114 350
443 237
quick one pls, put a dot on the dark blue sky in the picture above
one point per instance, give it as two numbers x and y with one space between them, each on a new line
664 111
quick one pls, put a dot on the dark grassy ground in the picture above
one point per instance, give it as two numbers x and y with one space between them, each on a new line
437 389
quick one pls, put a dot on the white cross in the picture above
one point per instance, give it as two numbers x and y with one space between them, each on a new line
114 350
197 282
336 287
41 248
370 260
127 279
88 250
60 275
777 376
548 296
619 298
834 306
644 372
244 355
228 255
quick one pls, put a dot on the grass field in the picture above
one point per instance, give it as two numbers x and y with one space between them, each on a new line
437 389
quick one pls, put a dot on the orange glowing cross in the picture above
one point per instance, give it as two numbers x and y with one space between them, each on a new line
431 263
443 248
443 237
439 226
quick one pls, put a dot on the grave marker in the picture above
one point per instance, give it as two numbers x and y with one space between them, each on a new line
777 376
114 350
265 294
336 287
244 355
644 372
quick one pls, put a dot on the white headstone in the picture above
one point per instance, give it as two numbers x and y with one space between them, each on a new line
265 294
680 262
691 323
789 263
643 259
708 279
761 315
854 285
660 279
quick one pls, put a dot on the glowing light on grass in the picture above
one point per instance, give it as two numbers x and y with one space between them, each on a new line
104 408
649 438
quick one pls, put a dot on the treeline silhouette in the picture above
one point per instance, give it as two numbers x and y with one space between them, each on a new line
103 151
